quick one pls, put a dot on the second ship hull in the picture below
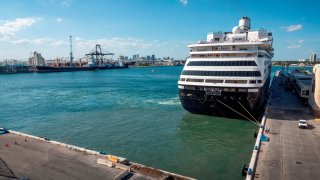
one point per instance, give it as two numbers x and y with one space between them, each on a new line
230 104
46 69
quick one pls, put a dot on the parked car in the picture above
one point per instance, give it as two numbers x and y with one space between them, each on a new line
303 124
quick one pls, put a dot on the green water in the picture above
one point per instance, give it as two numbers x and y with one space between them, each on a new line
133 113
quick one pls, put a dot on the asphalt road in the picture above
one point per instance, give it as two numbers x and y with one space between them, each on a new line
292 153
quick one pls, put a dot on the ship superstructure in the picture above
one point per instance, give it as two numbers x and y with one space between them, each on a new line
229 73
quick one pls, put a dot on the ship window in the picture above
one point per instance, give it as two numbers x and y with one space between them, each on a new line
236 81
252 81
214 81
242 90
222 63
259 81
195 80
222 73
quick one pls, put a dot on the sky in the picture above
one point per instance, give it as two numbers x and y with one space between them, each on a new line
145 27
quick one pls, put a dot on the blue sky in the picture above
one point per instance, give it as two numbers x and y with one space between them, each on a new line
160 27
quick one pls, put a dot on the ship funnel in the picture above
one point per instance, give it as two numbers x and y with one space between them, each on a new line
244 24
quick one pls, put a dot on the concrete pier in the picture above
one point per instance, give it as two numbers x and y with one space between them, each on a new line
291 152
27 156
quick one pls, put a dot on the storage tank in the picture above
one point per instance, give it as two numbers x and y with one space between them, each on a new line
244 24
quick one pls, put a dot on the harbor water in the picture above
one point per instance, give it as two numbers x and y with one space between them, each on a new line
133 113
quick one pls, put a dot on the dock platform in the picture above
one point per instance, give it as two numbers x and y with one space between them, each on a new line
291 152
31 157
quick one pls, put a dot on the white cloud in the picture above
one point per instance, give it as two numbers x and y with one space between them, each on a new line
51 47
9 28
114 43
294 46
301 41
36 41
21 41
59 43
59 20
292 27
184 2
42 40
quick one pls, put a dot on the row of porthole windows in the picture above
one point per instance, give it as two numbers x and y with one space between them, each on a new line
223 73
214 81
222 63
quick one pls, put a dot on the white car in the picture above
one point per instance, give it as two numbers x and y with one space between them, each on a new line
303 124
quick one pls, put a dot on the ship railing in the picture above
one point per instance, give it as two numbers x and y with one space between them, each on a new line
228 41
224 57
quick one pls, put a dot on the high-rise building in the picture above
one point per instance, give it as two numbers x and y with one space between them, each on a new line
135 57
148 58
121 58
313 57
37 60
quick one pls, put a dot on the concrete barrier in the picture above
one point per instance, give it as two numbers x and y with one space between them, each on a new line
105 162
255 152
122 175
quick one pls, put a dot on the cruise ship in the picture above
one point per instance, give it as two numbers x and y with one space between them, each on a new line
228 74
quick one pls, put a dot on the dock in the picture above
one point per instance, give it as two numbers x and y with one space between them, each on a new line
290 152
30 157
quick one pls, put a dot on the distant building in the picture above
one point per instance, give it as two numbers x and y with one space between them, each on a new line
153 58
37 60
313 57
121 58
135 57
148 58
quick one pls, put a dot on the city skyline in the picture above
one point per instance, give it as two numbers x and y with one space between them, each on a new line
164 28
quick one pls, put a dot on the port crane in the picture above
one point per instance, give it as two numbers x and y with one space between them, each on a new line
97 55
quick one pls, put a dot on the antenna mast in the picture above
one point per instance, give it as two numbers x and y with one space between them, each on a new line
71 57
